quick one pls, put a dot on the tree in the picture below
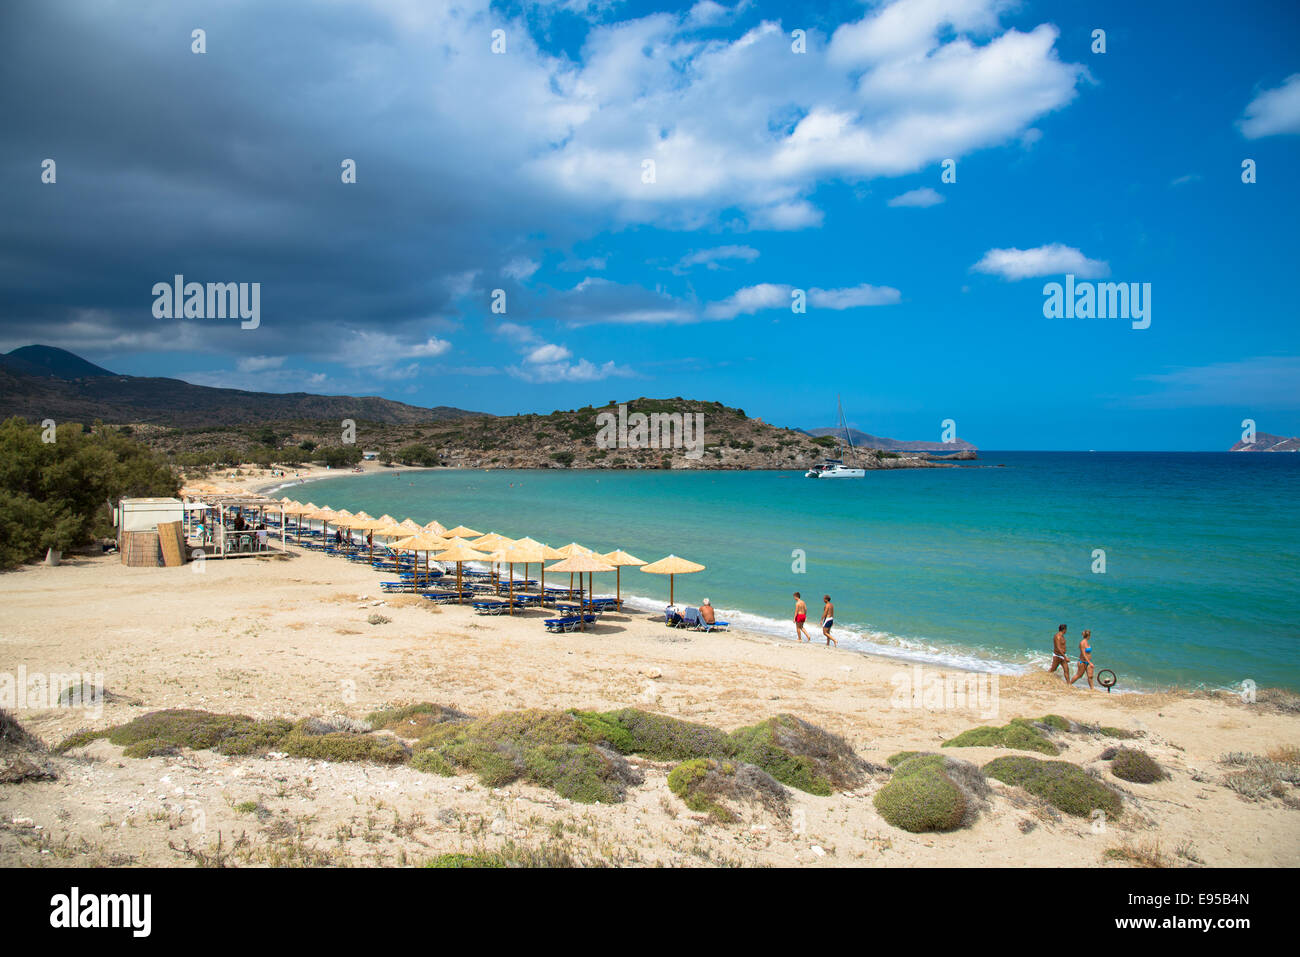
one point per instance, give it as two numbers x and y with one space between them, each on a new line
56 494
417 454
338 456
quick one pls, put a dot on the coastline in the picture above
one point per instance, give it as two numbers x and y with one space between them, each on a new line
291 637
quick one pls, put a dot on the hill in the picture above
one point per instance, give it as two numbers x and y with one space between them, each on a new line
1264 442
865 440
47 361
562 439
39 382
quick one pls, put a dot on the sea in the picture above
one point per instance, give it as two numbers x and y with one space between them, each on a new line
1185 566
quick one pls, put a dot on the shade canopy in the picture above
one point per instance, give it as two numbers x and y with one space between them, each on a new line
491 541
581 563
462 552
423 542
573 548
460 531
672 565
547 551
620 558
436 527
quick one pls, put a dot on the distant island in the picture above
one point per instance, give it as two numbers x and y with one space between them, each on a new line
200 427
1264 442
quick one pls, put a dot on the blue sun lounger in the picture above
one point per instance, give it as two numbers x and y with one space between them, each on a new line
567 623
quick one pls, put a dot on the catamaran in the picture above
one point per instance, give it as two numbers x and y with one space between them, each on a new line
835 468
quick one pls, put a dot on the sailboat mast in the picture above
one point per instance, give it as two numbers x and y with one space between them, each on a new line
844 425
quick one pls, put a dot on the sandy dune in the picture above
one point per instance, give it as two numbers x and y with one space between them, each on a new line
290 637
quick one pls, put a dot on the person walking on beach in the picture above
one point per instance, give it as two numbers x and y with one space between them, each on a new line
800 616
828 619
1085 659
1059 657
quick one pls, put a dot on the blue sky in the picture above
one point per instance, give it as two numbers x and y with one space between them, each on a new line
522 171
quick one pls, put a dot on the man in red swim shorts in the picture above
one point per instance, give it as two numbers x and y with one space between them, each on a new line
800 616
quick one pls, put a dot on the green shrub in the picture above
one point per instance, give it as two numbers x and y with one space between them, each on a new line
655 736
1120 733
1130 764
800 754
548 748
198 731
413 721
704 784
1020 735
932 792
306 741
1061 784
466 860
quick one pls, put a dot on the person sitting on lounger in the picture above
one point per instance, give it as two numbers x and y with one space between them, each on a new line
706 613
673 615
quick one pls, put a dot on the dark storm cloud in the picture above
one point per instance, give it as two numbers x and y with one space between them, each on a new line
225 166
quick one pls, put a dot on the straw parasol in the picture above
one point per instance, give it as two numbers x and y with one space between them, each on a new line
369 525
420 542
436 527
460 531
510 552
574 549
461 552
492 542
672 566
619 558
539 553
580 564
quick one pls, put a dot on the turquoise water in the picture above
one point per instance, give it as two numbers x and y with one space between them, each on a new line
973 567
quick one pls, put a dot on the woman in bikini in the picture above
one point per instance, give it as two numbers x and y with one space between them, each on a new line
1085 659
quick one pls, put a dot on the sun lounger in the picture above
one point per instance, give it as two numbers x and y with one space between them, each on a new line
489 607
441 596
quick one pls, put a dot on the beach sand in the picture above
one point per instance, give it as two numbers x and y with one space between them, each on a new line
289 636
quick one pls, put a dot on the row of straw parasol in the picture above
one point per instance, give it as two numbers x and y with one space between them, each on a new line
463 544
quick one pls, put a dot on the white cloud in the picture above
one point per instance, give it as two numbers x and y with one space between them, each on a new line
372 350
259 363
752 299
520 268
1055 259
925 196
749 300
711 258
548 353
744 122
580 371
854 296
1273 111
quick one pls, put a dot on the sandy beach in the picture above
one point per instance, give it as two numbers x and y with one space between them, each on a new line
290 636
